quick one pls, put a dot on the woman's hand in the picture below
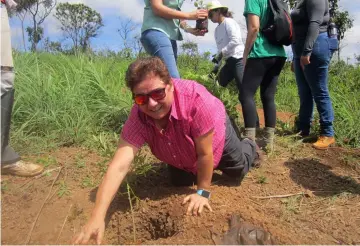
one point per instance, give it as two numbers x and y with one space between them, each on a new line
195 31
304 60
198 14
196 204
94 228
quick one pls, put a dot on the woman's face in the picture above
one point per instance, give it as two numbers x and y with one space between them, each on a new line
214 16
153 87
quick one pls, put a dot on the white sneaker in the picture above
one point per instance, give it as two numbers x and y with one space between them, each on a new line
23 169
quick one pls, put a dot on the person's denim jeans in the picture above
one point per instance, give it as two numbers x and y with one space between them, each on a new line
312 82
157 43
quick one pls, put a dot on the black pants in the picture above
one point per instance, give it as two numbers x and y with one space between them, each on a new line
233 69
263 72
236 160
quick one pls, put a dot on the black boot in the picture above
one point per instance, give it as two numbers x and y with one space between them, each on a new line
8 155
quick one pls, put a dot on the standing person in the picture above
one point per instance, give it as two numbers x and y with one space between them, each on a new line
229 44
161 29
312 55
263 63
186 127
10 160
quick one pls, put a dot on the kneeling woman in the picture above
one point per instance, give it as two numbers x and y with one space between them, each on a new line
185 127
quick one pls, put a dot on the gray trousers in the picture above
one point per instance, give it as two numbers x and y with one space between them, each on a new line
8 155
237 158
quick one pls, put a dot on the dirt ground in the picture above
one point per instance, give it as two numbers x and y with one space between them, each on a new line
326 209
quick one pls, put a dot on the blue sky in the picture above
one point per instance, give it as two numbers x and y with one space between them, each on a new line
116 11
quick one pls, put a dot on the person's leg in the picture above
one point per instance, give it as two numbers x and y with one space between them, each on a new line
238 155
253 75
316 74
180 177
8 155
226 74
268 90
10 160
239 74
267 94
156 43
303 123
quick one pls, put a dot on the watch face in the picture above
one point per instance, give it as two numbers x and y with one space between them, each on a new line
205 194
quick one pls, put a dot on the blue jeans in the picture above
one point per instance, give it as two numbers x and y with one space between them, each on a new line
312 85
157 43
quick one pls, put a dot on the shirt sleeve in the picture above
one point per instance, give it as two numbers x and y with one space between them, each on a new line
252 7
315 10
133 130
202 116
233 33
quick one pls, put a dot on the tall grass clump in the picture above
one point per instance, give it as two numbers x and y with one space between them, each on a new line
65 100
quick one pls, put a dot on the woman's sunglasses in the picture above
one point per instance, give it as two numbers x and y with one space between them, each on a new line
142 99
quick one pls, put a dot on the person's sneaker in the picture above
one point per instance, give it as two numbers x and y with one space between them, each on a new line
324 142
23 169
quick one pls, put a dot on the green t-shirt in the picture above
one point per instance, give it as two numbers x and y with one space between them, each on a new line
262 47
168 26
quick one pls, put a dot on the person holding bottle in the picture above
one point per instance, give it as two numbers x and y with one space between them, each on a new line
161 29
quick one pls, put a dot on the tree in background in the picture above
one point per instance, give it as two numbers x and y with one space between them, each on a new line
21 12
78 22
38 10
357 59
52 46
190 48
131 43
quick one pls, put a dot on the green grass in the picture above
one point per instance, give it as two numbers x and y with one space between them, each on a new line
82 100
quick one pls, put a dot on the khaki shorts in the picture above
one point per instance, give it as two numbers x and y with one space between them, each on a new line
6 52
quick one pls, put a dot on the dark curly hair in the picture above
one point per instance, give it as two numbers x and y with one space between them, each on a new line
144 67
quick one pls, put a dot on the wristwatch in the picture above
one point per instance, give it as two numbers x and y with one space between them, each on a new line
204 193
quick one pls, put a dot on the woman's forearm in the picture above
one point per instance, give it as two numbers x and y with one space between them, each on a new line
168 13
118 168
250 40
205 171
107 190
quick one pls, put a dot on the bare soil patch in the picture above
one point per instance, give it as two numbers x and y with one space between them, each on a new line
330 215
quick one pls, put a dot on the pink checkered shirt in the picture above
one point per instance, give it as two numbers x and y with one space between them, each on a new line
194 112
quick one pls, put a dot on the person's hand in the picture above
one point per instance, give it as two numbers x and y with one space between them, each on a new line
292 67
196 204
304 60
198 14
94 228
195 31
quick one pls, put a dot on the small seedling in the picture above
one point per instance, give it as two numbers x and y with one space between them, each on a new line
262 179
199 4
80 164
63 189
47 161
87 182
4 187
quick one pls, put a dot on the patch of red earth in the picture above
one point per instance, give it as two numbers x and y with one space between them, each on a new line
285 117
329 216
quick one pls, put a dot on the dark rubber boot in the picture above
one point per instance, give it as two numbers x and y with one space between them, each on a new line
8 155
